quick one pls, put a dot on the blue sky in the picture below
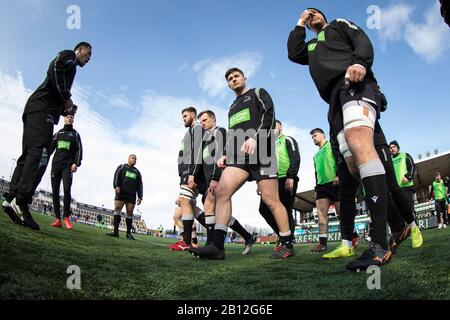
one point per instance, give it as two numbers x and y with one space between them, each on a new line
150 57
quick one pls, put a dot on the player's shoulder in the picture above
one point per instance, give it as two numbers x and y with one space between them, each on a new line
342 22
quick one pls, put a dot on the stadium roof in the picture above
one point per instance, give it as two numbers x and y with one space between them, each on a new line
425 171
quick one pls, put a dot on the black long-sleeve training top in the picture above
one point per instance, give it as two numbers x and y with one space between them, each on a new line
129 180
338 46
213 148
52 94
252 113
190 155
67 146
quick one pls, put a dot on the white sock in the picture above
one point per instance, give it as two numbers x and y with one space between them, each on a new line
346 243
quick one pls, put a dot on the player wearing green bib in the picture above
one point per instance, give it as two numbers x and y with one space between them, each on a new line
404 168
327 185
288 161
438 192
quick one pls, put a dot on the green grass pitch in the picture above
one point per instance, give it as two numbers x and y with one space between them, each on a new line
33 265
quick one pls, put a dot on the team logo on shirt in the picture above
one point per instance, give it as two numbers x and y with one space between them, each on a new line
62 144
247 98
131 175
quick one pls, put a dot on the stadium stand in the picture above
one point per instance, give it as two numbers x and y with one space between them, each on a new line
81 212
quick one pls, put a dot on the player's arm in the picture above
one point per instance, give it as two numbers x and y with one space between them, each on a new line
54 142
220 140
140 189
363 54
268 113
297 45
294 157
410 167
196 150
117 182
64 61
78 151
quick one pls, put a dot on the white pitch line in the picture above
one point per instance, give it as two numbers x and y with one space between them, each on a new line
158 244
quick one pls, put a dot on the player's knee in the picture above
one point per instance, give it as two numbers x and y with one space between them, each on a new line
358 114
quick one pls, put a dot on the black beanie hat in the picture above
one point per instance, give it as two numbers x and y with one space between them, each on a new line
318 12
395 143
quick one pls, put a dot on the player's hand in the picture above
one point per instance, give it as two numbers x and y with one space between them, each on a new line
304 18
289 185
355 73
222 162
249 146
212 187
405 180
191 182
139 200
74 168
336 181
117 190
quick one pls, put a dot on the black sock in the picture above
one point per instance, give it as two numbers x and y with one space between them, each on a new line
236 226
219 238
209 233
323 241
187 235
201 219
129 222
286 241
116 223
376 192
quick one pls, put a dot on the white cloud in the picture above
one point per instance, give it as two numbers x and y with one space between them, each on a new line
211 71
154 137
426 39
429 39
393 20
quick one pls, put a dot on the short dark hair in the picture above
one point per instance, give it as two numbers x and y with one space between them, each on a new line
437 174
279 122
316 130
83 44
189 109
208 112
132 155
231 70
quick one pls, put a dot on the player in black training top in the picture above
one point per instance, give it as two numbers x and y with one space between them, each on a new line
127 183
68 155
190 172
340 62
214 140
250 155
42 111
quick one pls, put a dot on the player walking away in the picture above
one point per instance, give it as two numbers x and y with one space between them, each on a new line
42 111
127 183
404 172
189 170
68 154
327 185
288 163
438 192
213 149
250 155
340 60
